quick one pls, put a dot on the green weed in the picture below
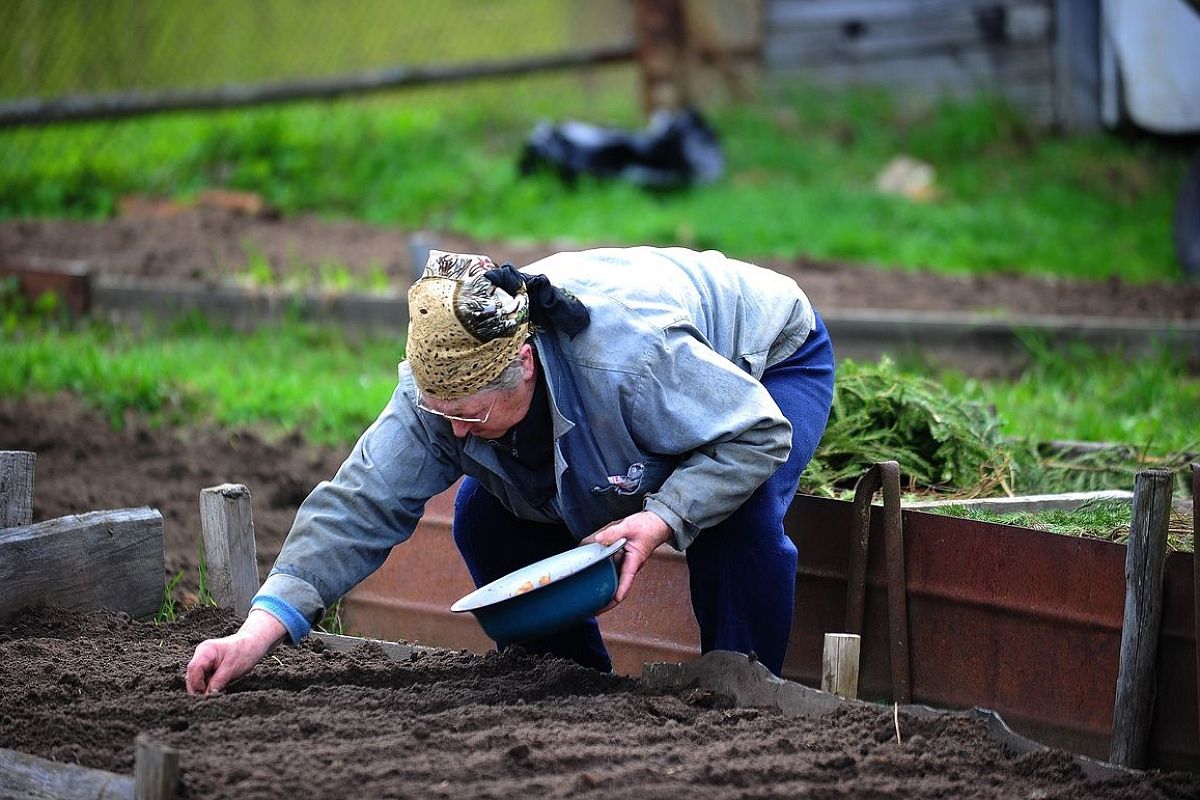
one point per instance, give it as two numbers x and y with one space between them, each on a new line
332 621
1150 401
168 611
939 440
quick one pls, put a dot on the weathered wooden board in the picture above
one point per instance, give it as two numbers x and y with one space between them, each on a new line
102 559
920 48
957 29
227 522
26 777
968 68
1024 78
1144 563
785 13
396 651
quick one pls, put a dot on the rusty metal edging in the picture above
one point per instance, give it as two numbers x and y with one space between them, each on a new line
68 279
750 684
1017 620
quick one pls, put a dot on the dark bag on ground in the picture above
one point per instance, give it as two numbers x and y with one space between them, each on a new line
677 149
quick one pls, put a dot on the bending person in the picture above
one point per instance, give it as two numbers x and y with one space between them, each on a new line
660 395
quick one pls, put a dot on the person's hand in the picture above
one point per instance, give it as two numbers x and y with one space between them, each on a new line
644 532
216 662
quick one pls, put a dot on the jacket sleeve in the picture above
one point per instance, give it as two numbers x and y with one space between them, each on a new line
726 428
347 526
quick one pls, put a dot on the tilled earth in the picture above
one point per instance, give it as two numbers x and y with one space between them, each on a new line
309 722
84 465
210 244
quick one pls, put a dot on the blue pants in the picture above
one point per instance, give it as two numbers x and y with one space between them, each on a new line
742 571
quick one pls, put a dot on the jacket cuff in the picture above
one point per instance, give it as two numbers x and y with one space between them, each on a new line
684 532
297 626
294 602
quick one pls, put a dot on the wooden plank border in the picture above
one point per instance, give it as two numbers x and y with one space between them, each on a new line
26 777
99 560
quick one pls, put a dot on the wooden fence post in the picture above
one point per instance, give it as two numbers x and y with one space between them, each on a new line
16 487
839 664
1196 574
1144 563
228 527
661 33
155 771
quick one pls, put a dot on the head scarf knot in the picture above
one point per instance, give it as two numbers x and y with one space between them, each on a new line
468 319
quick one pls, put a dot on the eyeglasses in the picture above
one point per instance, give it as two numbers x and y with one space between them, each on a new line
424 406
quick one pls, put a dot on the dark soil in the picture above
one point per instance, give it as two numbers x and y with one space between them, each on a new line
212 244
309 722
84 465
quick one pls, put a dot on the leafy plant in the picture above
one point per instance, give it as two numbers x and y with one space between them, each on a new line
941 442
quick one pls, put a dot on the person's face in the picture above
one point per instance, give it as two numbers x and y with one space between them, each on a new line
487 415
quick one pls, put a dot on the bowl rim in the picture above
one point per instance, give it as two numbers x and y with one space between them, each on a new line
483 597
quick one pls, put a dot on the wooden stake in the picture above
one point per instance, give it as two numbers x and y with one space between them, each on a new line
839 664
1196 574
660 29
156 770
16 487
1144 562
228 528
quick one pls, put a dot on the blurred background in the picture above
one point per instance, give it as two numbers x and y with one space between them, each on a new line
992 121
997 157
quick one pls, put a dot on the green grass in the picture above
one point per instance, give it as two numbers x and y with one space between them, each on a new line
297 377
800 177
1101 519
1150 401
947 430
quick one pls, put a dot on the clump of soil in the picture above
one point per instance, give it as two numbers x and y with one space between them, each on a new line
214 243
309 722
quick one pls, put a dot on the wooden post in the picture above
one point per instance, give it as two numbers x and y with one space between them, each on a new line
661 33
1196 575
156 770
228 528
1144 563
16 488
839 664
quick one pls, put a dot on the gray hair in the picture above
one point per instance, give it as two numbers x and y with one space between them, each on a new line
509 378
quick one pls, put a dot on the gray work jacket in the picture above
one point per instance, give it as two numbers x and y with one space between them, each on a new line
656 405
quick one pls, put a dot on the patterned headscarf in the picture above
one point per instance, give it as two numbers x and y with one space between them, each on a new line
463 330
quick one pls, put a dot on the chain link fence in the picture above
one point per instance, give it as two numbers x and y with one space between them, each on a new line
50 48
83 85
71 55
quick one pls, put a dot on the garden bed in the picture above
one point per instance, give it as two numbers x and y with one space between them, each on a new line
309 722
213 244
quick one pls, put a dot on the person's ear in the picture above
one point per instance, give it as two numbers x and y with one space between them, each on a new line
527 365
